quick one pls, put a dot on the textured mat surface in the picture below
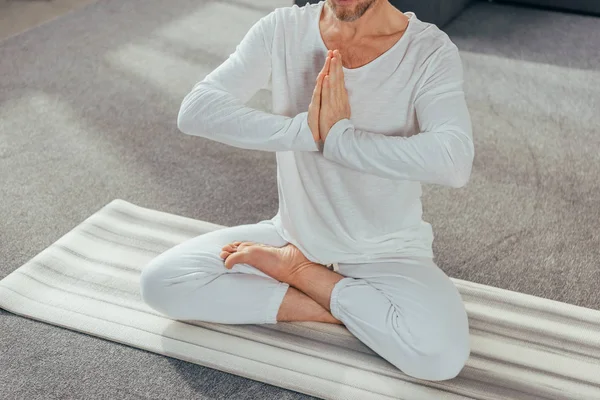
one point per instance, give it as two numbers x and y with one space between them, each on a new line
523 347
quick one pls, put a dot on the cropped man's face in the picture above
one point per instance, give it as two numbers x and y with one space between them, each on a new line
349 10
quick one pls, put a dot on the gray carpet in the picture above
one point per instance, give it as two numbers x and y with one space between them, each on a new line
87 114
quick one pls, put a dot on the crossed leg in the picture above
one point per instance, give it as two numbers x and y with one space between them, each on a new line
406 310
190 281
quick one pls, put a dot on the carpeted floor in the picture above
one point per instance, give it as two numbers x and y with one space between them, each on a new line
88 105
18 16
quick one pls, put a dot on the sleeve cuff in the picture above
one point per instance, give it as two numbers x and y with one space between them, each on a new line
305 140
331 147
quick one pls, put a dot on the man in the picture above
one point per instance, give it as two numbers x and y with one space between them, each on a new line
367 104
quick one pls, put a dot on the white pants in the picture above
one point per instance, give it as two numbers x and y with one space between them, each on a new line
406 310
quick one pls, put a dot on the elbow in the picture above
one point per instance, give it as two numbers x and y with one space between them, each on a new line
190 123
459 179
189 118
184 121
460 172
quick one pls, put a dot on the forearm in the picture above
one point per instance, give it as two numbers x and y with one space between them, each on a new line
212 113
443 157
441 152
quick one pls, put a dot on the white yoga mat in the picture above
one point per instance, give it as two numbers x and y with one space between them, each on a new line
523 347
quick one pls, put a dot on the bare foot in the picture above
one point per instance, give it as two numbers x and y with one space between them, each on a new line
280 263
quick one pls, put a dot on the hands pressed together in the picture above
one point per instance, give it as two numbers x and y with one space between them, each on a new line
329 103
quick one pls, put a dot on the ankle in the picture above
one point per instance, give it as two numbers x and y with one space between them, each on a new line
330 319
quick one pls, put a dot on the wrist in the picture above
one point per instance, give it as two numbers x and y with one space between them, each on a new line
324 133
337 130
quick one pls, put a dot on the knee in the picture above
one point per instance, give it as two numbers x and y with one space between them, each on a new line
152 285
441 356
446 364
165 279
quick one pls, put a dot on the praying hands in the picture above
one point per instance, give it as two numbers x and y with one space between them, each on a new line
329 103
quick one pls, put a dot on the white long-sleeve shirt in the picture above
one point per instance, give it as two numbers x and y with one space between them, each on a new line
360 199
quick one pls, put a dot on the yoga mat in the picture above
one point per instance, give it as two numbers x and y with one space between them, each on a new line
523 347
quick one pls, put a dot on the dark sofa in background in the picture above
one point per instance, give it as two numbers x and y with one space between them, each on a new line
583 6
440 12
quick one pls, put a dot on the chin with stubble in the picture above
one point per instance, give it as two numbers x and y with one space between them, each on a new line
349 10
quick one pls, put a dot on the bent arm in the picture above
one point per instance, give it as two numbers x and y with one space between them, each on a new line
442 153
215 108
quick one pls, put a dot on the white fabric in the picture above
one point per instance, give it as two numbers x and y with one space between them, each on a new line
359 200
522 347
408 311
334 266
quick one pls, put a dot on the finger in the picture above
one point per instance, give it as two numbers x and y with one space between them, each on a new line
316 100
333 70
339 69
332 90
315 105
327 92
325 69
338 57
327 66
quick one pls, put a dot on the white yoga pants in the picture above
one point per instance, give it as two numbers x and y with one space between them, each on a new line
406 310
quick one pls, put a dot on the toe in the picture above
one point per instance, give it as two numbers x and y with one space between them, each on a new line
239 257
229 248
244 245
225 254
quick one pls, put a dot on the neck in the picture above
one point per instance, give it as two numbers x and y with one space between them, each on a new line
381 18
